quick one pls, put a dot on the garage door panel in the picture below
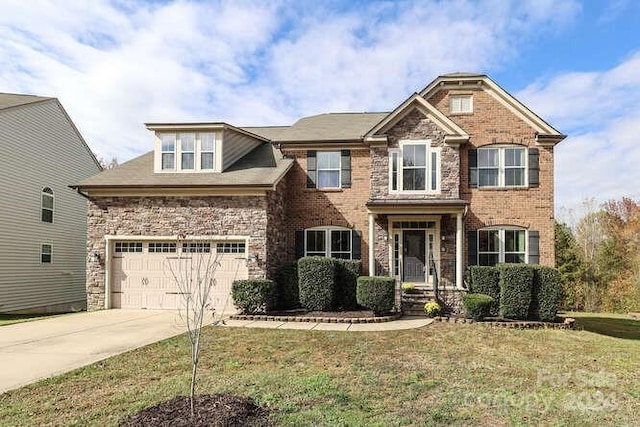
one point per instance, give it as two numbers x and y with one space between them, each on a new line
144 279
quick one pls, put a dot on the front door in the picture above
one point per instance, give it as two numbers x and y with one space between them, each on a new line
414 252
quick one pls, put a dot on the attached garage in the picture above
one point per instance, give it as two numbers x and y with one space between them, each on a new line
142 271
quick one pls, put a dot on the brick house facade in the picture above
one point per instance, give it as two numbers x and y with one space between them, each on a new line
460 173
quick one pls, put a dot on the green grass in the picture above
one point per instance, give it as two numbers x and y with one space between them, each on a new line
461 374
10 319
613 325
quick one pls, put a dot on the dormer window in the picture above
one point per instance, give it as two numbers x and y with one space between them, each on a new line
168 151
186 152
461 104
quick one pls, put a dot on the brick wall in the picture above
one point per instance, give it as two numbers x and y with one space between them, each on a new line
310 207
532 208
169 216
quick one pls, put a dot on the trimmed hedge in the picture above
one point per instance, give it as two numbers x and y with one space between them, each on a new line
376 293
477 306
486 280
316 280
546 295
347 272
516 286
288 288
253 296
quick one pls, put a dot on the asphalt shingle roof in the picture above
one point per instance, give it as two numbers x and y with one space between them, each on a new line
8 100
331 127
263 166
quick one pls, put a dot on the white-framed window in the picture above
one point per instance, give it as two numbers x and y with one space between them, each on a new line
328 242
414 167
128 247
46 253
231 248
162 247
498 245
328 169
460 104
46 205
197 247
168 147
504 166
187 151
207 151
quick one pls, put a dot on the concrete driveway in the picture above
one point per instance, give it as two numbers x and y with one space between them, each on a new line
44 348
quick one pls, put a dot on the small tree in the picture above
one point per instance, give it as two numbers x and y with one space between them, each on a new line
193 271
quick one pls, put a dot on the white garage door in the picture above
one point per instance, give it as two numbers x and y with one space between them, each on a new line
142 272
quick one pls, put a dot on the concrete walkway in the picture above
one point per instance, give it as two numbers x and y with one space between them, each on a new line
44 348
394 325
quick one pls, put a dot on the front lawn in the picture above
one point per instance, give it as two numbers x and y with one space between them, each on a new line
465 374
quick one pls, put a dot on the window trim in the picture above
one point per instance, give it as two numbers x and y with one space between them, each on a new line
339 169
452 102
197 152
502 243
327 240
502 165
44 193
399 173
50 245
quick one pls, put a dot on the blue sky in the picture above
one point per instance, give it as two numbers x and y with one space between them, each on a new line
118 64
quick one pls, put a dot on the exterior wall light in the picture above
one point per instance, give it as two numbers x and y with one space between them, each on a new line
94 256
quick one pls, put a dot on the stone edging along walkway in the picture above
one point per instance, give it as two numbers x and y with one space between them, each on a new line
316 319
514 324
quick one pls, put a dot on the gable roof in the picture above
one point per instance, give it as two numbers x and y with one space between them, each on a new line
262 167
269 132
453 132
546 132
330 127
9 100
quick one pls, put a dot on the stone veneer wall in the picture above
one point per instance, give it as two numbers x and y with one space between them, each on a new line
169 216
277 241
415 126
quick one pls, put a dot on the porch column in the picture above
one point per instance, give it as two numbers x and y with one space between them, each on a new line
459 250
372 230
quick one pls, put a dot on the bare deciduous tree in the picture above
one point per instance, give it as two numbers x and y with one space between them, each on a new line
193 271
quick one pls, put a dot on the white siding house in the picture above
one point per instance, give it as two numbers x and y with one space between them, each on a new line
42 220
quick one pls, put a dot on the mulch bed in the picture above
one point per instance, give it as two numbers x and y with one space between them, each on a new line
567 323
360 316
221 409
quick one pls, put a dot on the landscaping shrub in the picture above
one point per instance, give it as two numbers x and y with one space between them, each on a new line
347 272
486 280
477 306
316 280
516 284
376 293
546 295
288 290
253 296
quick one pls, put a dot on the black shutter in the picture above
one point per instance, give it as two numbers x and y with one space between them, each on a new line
356 244
299 244
312 173
534 168
473 168
534 247
345 166
472 246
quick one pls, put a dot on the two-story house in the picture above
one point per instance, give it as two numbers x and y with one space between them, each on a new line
458 174
43 232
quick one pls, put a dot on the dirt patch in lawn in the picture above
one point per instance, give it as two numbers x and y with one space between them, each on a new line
221 409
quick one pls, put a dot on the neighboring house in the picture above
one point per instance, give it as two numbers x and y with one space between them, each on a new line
42 221
458 174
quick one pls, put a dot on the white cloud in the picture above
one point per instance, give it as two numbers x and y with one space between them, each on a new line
115 65
600 112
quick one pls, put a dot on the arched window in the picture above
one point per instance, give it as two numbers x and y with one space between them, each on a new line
47 205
